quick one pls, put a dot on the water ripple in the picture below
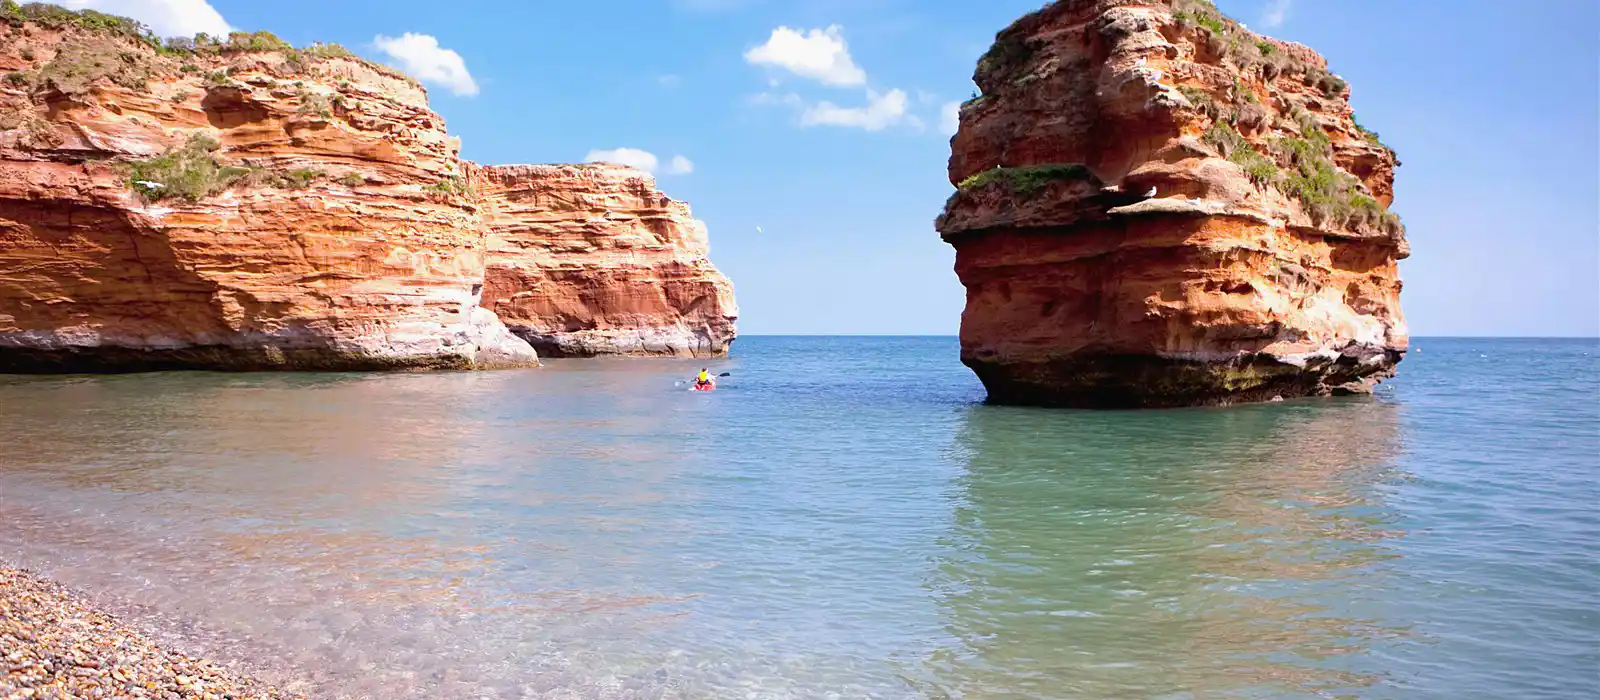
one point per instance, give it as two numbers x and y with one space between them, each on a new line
843 519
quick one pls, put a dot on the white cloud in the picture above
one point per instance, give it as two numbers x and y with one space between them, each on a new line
640 159
880 112
165 17
422 56
631 157
1277 11
818 54
950 118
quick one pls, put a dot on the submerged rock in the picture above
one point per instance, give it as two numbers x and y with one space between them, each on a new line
1157 207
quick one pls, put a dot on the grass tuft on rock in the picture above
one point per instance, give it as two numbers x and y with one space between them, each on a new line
1223 137
1026 181
322 50
189 172
1200 17
312 104
1328 195
450 186
1202 100
1369 135
1331 85
1005 57
1261 169
299 178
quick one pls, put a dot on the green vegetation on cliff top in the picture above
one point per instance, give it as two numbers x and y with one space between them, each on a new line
1234 43
57 17
1220 35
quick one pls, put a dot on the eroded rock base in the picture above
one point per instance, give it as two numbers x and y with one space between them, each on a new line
1111 381
118 360
625 344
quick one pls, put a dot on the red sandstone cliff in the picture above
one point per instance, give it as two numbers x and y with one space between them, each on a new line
593 260
241 204
1157 207
290 213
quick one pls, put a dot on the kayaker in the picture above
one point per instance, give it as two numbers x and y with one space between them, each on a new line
704 379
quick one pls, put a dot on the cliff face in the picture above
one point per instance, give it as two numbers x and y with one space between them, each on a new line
241 204
1156 207
593 260
249 209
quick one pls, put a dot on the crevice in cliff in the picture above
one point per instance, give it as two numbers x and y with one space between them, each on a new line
231 107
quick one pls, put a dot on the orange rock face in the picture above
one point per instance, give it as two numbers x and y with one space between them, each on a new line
281 209
329 251
593 260
1156 207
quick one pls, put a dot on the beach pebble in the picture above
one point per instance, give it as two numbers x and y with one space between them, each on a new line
54 644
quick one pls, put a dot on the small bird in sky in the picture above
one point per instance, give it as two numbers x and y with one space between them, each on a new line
758 229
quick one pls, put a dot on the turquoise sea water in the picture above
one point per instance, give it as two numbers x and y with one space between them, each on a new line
844 518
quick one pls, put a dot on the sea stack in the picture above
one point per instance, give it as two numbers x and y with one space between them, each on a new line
237 203
592 259
1157 207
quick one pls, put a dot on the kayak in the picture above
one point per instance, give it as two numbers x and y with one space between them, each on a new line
703 387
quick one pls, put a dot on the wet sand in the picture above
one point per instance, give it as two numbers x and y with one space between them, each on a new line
54 643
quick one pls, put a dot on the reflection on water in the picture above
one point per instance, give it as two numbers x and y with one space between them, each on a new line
393 534
1102 555
841 519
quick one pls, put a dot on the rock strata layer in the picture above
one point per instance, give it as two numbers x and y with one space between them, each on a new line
593 260
1157 207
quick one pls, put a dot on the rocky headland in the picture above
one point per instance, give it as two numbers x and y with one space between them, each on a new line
1157 207
594 260
238 203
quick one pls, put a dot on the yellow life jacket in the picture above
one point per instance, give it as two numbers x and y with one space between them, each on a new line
704 377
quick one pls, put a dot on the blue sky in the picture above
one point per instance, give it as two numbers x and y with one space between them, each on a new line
1493 107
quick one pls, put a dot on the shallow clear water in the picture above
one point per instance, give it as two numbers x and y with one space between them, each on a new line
843 519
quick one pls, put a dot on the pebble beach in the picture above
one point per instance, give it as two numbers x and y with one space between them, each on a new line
56 644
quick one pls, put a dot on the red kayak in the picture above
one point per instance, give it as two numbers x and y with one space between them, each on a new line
708 386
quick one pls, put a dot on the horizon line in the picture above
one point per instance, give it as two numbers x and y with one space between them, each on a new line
953 335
